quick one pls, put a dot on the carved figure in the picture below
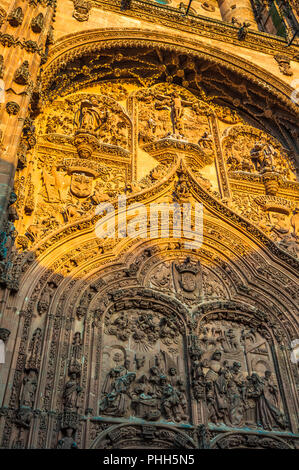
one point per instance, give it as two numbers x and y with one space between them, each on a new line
45 300
118 400
90 117
72 391
267 414
28 390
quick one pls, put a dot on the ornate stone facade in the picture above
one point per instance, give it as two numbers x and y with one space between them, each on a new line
126 342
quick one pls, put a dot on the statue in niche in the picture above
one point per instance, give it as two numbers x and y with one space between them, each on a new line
37 23
76 352
197 374
249 411
72 391
45 300
27 398
90 118
15 18
34 350
28 390
22 74
177 383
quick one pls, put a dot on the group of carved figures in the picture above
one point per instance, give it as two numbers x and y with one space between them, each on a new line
155 395
96 118
233 398
262 158
153 388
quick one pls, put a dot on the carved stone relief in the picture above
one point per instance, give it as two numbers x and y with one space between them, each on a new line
170 111
139 360
252 151
238 377
144 375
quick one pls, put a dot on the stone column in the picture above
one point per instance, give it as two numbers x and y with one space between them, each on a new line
239 9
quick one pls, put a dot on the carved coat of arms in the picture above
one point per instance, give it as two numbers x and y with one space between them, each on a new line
81 185
187 278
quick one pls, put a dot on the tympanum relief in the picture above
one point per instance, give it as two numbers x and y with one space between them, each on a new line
144 373
234 373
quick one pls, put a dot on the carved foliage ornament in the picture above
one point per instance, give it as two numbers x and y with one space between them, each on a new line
37 23
12 107
16 17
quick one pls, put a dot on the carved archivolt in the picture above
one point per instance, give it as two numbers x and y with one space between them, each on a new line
134 436
243 441
88 39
